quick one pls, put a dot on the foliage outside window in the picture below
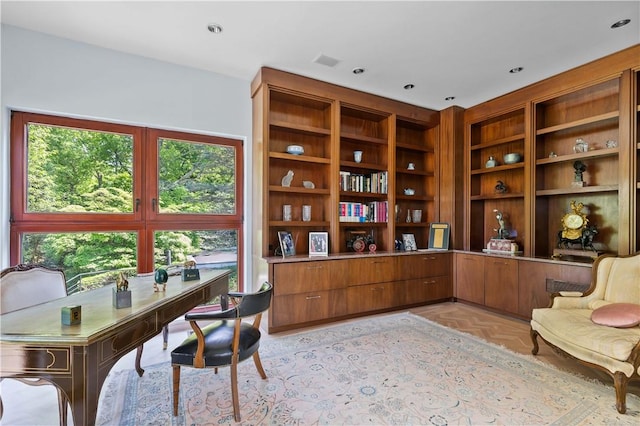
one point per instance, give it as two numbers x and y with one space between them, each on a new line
95 198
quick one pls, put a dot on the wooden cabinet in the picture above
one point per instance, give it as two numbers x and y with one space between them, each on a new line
416 166
590 114
489 140
596 103
532 277
501 284
346 194
310 292
469 277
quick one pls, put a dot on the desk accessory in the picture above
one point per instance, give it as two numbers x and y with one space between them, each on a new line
190 272
121 293
71 315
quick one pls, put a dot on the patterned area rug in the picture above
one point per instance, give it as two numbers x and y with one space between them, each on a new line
384 370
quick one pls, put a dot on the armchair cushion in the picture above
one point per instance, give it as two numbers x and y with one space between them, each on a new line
617 315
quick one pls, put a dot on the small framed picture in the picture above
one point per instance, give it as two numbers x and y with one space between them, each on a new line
286 243
439 236
318 243
409 241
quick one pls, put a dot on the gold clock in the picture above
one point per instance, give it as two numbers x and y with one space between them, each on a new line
573 223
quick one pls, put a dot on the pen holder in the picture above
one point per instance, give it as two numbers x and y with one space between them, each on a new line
121 299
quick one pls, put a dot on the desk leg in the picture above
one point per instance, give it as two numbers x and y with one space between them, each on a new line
139 369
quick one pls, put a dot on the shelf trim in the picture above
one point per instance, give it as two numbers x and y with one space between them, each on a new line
363 138
507 139
301 128
504 167
299 223
298 190
497 196
412 147
605 152
301 158
577 123
583 190
415 172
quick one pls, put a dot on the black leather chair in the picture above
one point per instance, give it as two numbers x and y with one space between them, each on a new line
226 342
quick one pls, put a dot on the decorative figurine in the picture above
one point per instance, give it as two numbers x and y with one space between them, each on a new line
502 230
491 162
579 168
121 283
575 230
190 271
500 187
121 294
286 180
580 146
160 279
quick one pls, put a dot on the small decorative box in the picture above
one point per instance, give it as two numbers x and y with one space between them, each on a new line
121 299
71 315
190 274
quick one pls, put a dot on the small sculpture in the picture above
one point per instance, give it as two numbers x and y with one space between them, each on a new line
286 180
500 187
160 279
121 283
579 168
502 230
189 264
308 184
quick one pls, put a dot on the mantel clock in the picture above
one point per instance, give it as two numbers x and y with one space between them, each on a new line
574 222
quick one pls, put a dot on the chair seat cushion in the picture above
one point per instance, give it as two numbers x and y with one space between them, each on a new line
218 338
617 315
574 326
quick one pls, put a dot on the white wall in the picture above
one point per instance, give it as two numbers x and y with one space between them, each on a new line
40 73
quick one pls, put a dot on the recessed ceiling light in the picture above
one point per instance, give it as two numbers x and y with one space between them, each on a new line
357 70
215 28
449 98
515 70
409 86
621 23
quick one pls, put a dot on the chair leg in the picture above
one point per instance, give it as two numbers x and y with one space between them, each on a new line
62 406
258 363
176 388
620 384
234 390
165 337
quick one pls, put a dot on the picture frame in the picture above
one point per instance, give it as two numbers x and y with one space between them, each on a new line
439 236
287 245
409 241
318 244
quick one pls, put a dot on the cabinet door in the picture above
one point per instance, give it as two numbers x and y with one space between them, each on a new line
423 265
469 277
428 289
501 284
299 277
368 270
305 307
532 277
372 297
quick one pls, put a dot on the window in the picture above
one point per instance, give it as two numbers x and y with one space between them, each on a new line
96 198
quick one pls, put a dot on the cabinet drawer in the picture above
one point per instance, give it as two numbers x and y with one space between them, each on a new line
373 297
423 265
369 270
301 277
305 307
427 289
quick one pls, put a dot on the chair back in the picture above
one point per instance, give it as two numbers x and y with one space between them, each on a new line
622 277
22 286
255 303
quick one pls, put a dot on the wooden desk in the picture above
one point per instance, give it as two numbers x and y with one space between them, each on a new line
78 358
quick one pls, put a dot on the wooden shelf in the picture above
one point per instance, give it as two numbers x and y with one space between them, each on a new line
497 196
497 168
363 166
500 141
299 224
607 152
413 147
354 137
298 190
401 197
578 123
299 158
583 190
300 128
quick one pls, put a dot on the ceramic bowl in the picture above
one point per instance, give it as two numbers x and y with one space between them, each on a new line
295 149
512 158
409 191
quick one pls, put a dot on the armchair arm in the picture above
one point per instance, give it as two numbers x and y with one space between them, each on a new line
572 301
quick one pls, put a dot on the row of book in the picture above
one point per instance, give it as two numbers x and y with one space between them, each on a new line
375 211
357 182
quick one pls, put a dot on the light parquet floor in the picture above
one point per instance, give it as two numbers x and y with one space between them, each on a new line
510 333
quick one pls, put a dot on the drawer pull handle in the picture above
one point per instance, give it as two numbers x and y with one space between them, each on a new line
430 282
378 261
429 258
315 267
313 297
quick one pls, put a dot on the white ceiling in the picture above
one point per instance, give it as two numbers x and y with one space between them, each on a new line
452 48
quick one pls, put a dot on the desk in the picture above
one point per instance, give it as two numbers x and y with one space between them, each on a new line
78 358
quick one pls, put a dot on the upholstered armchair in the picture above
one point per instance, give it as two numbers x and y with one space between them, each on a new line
600 327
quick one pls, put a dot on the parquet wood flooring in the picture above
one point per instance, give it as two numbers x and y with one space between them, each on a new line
511 333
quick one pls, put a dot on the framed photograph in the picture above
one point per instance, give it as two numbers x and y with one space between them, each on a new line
409 241
287 245
318 243
439 236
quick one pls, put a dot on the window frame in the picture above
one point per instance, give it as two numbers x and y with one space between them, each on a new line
143 220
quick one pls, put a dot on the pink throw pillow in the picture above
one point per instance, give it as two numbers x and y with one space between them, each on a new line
620 315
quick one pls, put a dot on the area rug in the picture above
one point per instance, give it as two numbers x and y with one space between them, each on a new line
398 369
